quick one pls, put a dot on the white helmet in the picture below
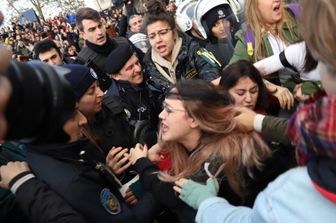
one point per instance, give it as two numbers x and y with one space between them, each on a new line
204 6
237 6
139 40
185 14
178 2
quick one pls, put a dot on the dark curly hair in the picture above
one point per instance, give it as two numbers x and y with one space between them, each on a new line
156 11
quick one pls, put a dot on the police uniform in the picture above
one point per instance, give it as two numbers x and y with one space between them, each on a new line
88 191
140 108
111 126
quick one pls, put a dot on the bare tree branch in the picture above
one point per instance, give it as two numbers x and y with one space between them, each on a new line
11 4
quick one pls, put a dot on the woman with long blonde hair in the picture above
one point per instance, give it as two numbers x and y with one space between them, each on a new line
271 26
202 138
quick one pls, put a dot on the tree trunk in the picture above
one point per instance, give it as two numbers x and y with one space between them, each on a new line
37 5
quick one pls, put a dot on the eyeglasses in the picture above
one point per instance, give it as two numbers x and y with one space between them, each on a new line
169 109
159 33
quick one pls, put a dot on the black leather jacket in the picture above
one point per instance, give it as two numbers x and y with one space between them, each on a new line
191 65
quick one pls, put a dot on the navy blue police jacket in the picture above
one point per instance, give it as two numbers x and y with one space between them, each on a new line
83 187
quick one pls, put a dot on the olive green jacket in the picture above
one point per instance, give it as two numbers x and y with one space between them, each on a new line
240 51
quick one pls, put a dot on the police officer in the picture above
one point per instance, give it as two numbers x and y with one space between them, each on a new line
137 100
99 45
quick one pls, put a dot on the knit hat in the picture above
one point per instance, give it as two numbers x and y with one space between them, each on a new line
118 58
313 129
216 13
80 77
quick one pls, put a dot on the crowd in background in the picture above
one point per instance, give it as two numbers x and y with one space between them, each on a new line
21 38
195 110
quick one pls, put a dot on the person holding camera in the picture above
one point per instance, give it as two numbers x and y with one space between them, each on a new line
34 201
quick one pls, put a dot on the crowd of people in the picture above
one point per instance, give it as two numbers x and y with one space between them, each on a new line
20 38
164 111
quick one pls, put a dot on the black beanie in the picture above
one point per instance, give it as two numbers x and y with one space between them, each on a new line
80 78
118 58
219 12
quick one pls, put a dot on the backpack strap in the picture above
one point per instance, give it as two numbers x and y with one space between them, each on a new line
294 9
285 62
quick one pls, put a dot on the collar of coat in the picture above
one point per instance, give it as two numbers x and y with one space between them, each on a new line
161 63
